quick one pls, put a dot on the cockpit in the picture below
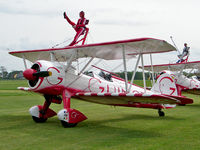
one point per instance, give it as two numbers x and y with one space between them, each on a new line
89 73
106 76
102 74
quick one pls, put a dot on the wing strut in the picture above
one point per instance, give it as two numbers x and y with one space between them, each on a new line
189 72
144 81
152 71
86 65
181 70
125 69
133 76
52 56
69 62
25 65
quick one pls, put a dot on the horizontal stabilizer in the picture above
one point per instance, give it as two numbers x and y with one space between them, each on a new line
182 99
24 88
195 91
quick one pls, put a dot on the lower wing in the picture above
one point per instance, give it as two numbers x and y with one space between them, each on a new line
132 100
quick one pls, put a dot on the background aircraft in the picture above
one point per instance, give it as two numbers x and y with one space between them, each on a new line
173 74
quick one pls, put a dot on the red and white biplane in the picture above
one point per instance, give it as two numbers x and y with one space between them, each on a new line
173 74
53 76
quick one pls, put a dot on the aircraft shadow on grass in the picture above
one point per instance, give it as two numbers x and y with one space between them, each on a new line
135 117
194 106
99 126
15 123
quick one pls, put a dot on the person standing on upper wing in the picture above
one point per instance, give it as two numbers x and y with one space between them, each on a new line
184 53
79 27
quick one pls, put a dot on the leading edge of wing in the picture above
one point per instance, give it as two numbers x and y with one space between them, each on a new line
112 98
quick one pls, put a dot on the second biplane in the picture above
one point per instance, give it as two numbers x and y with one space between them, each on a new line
173 74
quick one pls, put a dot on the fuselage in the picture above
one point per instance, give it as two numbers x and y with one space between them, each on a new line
73 82
181 81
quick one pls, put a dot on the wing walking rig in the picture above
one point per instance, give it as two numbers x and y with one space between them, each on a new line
53 76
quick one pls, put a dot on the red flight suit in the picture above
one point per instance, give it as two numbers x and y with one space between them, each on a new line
79 28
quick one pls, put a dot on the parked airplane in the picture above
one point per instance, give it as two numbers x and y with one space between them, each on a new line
173 74
53 76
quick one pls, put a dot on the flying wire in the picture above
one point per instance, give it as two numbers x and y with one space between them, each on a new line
61 43
175 44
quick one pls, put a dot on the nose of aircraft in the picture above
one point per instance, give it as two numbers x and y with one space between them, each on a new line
29 74
32 74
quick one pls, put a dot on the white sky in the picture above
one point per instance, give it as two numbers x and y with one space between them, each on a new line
36 24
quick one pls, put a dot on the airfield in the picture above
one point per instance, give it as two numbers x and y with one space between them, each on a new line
107 128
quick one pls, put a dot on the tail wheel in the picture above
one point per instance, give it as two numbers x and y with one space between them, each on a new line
181 104
68 125
39 120
161 113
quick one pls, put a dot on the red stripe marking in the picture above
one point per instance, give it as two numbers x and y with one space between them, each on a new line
122 94
107 94
94 94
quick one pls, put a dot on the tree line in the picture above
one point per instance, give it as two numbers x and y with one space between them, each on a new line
5 75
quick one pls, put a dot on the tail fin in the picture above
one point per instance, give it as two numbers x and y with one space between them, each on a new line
165 84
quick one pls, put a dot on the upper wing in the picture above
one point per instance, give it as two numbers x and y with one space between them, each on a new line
174 67
107 51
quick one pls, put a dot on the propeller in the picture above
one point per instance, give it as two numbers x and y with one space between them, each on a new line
32 74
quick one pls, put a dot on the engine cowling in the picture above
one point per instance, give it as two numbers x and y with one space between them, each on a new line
45 76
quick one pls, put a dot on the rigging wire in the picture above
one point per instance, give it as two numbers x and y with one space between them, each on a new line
175 45
61 42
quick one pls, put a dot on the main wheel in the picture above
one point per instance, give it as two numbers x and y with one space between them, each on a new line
161 113
68 125
181 104
39 120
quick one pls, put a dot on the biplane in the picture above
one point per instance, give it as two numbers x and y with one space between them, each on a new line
53 75
173 74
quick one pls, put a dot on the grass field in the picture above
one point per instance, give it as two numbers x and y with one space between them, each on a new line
107 128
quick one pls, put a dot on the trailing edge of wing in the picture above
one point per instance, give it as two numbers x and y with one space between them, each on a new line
107 50
123 98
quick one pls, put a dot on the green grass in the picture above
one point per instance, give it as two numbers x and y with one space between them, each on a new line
107 128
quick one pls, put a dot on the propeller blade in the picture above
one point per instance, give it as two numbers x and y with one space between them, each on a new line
42 74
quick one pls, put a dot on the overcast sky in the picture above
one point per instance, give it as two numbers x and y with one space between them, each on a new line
36 24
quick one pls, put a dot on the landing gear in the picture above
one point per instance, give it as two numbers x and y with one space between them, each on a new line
161 113
69 117
181 104
68 125
39 120
40 113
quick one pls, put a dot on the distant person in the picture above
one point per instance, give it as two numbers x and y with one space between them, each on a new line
184 53
79 27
